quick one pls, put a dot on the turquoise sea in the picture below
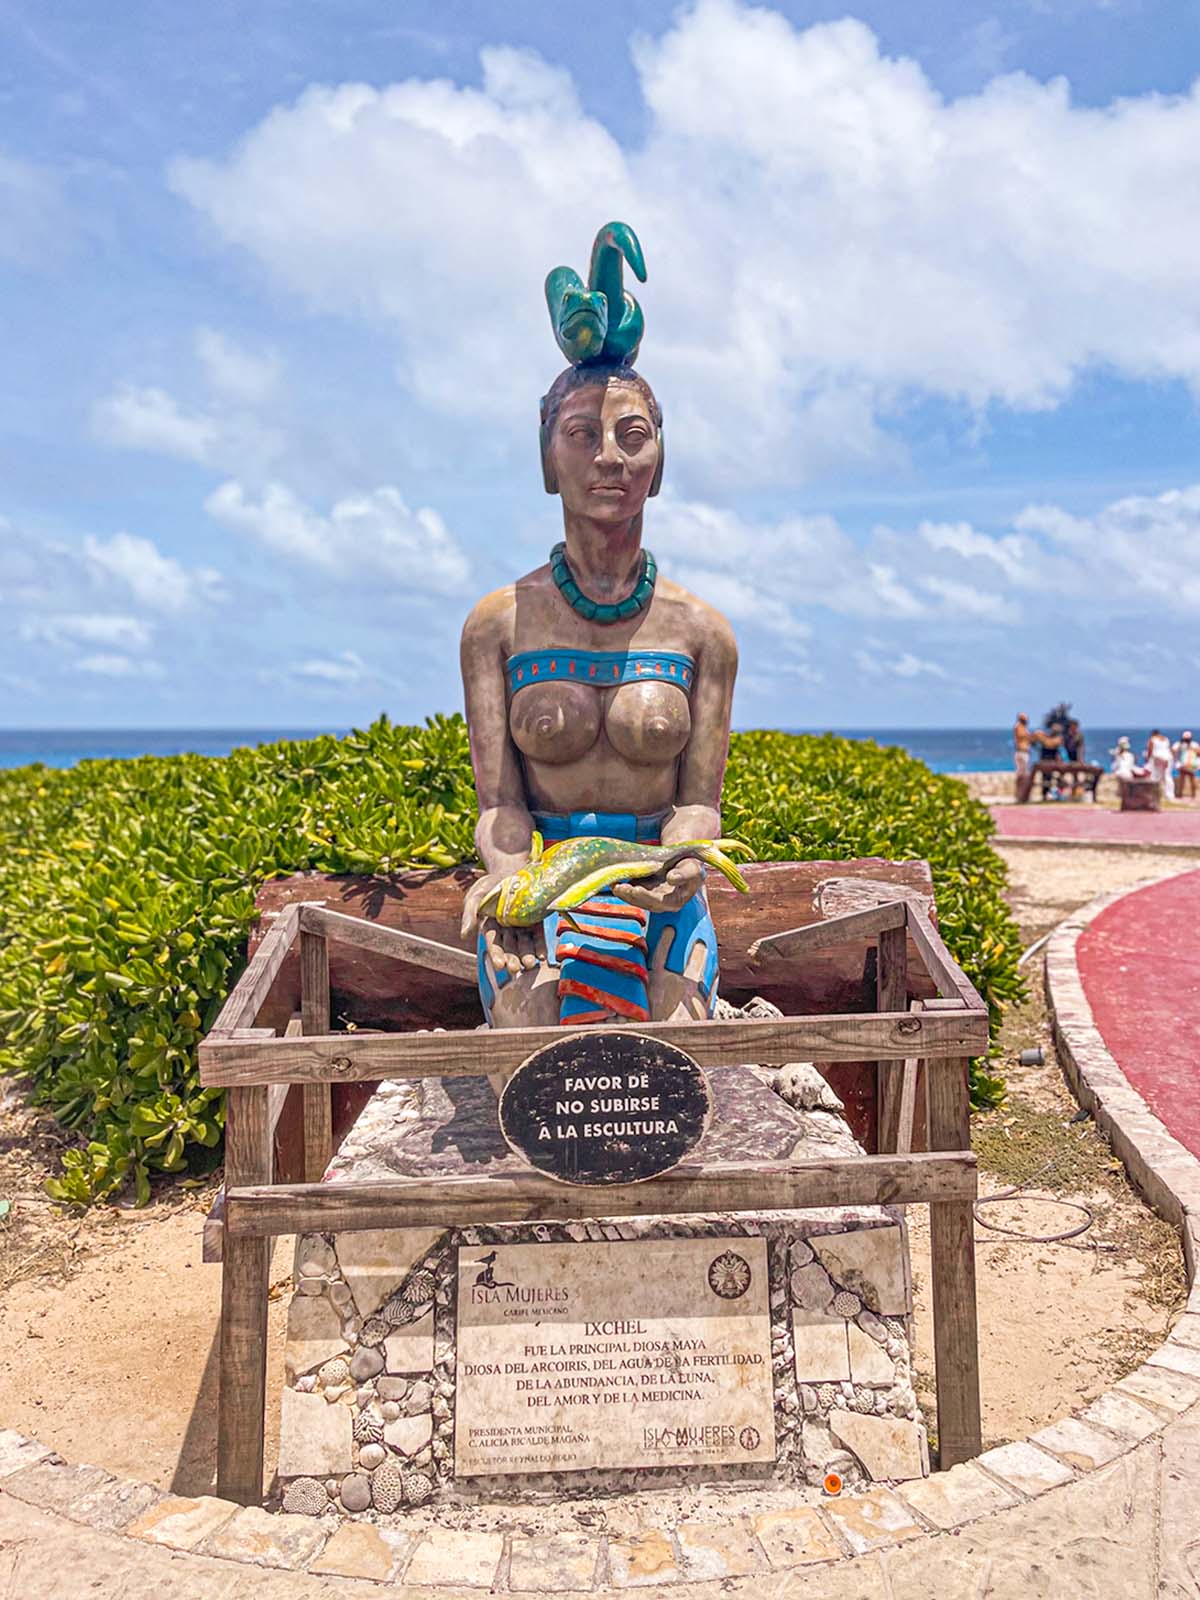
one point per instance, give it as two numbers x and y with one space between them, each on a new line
943 749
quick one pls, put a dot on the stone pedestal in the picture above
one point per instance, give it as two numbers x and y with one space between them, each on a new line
1141 794
508 1362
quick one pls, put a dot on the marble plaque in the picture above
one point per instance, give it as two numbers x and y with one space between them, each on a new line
580 1357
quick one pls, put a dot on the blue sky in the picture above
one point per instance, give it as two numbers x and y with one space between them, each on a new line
923 312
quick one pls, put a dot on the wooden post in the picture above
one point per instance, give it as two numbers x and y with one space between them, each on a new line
952 1265
241 1402
314 1014
891 994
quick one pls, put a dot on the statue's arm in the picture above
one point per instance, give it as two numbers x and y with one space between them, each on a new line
505 828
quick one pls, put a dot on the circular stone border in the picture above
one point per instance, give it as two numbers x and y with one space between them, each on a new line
832 1534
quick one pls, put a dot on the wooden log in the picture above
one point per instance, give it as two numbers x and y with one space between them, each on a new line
344 1057
246 997
385 941
952 1271
288 1153
949 978
241 1403
212 1238
314 1019
849 927
689 1189
891 994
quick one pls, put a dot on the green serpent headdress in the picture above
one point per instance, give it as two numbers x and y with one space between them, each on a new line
599 323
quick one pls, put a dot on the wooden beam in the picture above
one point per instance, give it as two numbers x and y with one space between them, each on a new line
952 1274
346 1057
255 1212
314 1019
851 925
947 976
212 1238
891 994
246 998
373 936
241 1402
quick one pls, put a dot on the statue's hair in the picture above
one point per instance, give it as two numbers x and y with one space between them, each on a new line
599 375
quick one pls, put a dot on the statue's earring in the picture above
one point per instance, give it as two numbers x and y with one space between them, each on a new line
656 481
549 476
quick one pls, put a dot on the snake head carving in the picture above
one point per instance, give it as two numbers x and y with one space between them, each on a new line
599 321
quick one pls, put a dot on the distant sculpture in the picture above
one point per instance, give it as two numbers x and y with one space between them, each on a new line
598 697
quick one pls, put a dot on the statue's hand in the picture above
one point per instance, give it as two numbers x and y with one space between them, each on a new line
512 949
669 891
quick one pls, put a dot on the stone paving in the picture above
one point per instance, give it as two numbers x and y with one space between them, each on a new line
1101 1504
1098 825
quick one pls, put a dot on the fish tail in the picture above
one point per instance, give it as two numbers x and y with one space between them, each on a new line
713 851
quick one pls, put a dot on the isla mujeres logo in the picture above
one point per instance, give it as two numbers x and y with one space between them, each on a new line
487 1278
492 1286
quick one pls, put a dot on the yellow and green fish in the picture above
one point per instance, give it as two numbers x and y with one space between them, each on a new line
568 873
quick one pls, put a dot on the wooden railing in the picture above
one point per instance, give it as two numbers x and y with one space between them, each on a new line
261 1067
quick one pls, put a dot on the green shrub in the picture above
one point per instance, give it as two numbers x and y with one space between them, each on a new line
127 889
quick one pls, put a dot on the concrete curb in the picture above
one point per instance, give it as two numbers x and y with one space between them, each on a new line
834 1536
1163 1169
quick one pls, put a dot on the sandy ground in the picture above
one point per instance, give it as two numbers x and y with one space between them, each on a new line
107 1321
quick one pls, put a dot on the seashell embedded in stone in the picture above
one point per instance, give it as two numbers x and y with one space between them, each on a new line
827 1395
368 1429
418 1487
846 1304
420 1288
397 1312
306 1497
374 1331
334 1373
387 1487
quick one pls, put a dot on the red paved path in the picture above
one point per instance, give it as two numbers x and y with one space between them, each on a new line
1139 962
1076 820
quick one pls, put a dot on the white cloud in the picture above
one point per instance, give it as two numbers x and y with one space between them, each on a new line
826 234
122 632
237 373
116 666
903 665
341 671
373 535
155 580
968 601
150 419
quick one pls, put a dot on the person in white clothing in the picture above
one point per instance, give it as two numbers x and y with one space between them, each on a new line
1158 759
1122 758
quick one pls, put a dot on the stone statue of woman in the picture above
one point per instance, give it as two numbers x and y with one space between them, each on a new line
598 698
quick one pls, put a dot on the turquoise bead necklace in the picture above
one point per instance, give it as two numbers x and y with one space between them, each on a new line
595 610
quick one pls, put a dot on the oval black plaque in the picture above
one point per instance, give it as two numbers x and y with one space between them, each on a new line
600 1108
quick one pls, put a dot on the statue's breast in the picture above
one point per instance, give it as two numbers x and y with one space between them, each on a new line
647 723
555 722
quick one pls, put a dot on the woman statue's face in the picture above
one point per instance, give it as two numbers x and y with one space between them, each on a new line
604 451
